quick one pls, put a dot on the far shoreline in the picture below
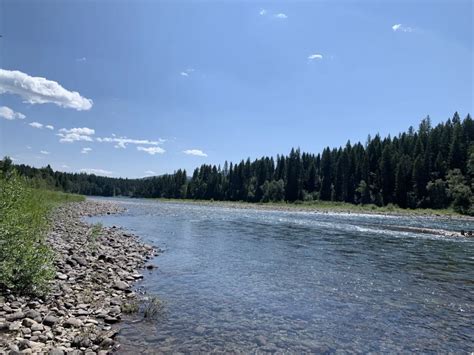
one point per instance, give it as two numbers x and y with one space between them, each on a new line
321 207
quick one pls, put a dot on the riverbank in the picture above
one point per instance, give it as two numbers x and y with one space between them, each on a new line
327 207
95 269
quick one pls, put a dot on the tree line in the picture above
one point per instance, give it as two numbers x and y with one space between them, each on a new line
431 167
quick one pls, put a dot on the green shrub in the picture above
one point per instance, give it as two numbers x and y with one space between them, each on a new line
26 261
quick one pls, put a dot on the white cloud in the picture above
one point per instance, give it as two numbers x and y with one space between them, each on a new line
76 134
48 126
315 56
37 90
196 152
86 150
36 125
28 147
187 72
82 59
64 166
402 28
121 142
281 16
96 171
44 152
8 114
262 12
152 150
150 172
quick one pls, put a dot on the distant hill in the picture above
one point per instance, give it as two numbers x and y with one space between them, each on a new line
429 167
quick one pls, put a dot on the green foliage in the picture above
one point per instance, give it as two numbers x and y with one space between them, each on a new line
151 307
460 193
409 170
26 262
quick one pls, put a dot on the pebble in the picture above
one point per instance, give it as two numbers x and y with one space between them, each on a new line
91 284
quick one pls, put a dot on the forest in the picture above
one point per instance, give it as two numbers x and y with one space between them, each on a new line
431 167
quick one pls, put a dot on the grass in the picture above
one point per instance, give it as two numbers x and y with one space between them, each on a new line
26 260
325 206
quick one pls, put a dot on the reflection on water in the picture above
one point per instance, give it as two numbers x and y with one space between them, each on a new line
250 280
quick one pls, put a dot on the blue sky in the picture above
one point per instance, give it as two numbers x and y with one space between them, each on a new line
133 88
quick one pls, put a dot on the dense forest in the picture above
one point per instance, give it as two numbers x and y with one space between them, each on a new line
431 167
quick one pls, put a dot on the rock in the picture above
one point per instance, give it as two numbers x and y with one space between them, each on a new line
150 267
15 316
200 330
37 327
260 340
107 342
27 322
111 320
50 320
56 351
115 310
32 314
120 285
61 276
73 322
15 326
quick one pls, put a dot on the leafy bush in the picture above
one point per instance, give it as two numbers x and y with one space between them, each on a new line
26 261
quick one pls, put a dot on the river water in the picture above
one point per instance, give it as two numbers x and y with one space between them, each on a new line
248 280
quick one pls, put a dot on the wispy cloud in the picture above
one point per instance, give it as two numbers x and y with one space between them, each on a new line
150 172
48 126
281 16
186 72
38 90
36 125
401 28
82 59
196 152
96 171
76 134
152 150
121 142
8 114
86 150
262 12
44 152
315 56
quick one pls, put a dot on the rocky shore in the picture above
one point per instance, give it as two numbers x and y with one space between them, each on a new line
95 269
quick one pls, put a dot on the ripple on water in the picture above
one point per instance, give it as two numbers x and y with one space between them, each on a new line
252 280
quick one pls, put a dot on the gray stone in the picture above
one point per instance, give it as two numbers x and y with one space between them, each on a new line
120 285
15 316
50 320
73 322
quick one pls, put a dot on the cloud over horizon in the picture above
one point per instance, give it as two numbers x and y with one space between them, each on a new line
38 90
8 114
76 134
196 152
121 142
96 171
151 150
86 150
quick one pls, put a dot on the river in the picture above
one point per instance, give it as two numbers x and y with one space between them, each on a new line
248 280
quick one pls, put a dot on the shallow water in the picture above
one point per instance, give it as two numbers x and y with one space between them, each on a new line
252 280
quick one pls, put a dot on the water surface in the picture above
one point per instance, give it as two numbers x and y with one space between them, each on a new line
252 280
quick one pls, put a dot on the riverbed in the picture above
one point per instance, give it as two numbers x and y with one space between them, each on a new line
248 280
